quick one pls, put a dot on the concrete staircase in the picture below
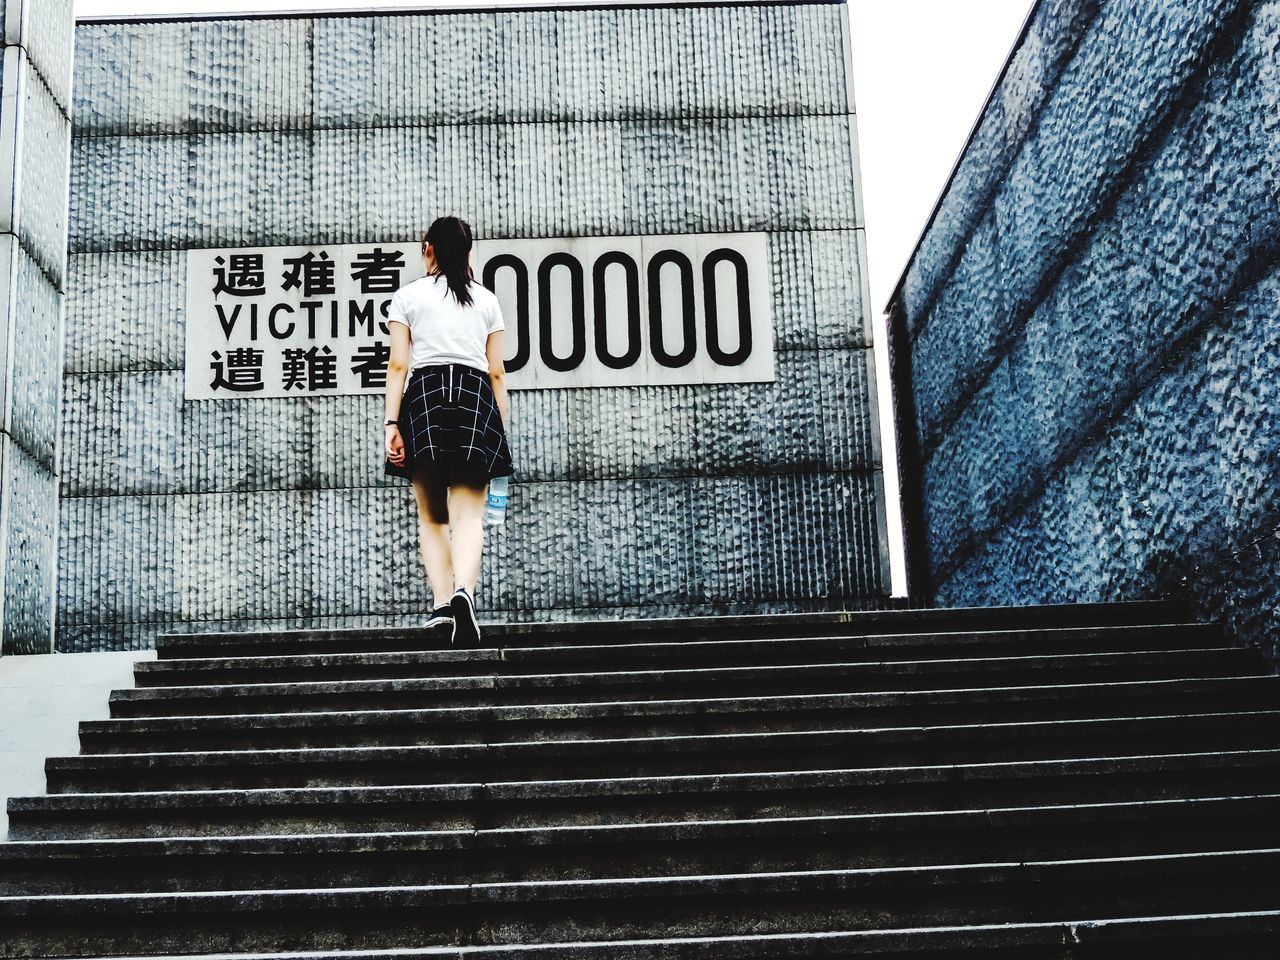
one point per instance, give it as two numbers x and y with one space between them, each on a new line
1075 781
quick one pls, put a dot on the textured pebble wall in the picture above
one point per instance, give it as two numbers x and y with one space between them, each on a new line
35 130
586 122
1094 321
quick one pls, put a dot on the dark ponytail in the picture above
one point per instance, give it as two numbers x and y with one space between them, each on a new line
450 239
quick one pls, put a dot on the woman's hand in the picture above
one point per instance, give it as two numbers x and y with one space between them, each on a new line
395 445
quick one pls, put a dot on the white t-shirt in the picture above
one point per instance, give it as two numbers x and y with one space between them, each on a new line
440 329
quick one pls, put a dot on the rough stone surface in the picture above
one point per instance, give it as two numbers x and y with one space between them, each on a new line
33 242
576 122
335 553
1094 366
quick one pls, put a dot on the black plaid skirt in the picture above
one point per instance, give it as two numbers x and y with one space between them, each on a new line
449 415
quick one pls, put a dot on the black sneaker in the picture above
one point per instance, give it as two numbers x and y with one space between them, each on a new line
466 632
440 618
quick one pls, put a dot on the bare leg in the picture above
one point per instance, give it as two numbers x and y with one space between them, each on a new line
466 524
433 532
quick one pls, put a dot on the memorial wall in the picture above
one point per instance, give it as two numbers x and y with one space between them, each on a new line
665 200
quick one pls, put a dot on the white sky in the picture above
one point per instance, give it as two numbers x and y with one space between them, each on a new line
922 71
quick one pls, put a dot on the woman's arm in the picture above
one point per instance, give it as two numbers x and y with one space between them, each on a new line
497 373
397 368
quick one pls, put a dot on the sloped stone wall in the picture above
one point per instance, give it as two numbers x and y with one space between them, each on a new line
1091 324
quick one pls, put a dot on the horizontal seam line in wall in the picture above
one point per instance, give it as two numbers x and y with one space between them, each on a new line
856 228
859 472
44 81
37 459
312 127
1080 242
35 258
858 347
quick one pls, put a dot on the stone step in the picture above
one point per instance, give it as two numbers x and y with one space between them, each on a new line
603 686
627 756
580 721
548 912
1244 935
647 655
851 784
545 802
644 629
303 861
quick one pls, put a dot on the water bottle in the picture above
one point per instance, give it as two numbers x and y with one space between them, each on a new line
495 509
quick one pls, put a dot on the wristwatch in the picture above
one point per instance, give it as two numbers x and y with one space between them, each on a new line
392 423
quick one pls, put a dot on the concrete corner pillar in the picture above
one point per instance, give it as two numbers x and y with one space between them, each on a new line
35 143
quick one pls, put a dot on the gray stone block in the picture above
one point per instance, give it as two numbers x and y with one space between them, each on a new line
352 185
124 311
404 70
41 163
572 546
47 36
29 518
132 77
128 192
132 433
31 380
